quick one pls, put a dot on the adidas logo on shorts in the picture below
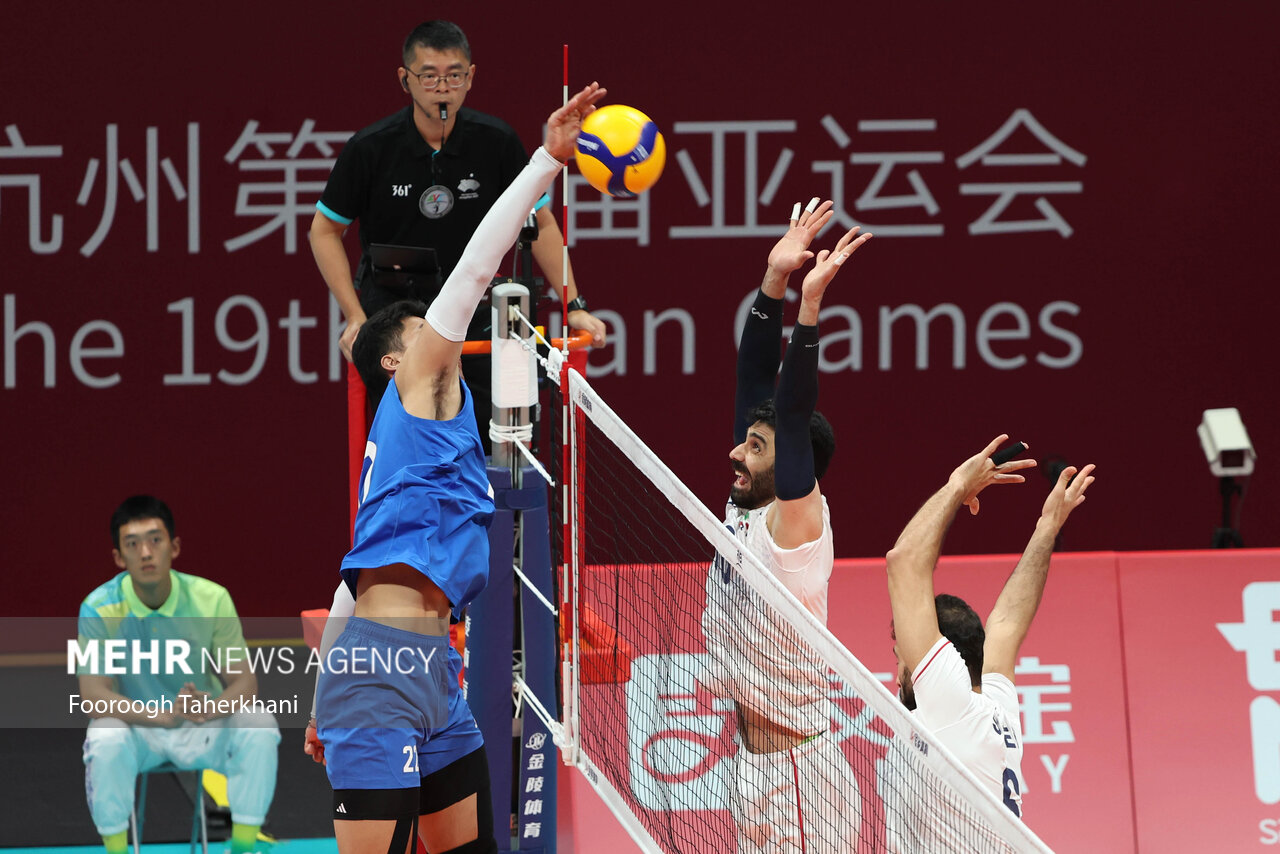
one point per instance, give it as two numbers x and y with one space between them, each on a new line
342 808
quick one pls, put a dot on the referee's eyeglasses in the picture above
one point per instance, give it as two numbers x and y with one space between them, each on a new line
430 79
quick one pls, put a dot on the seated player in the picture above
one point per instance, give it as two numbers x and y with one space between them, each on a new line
793 790
400 744
956 677
152 600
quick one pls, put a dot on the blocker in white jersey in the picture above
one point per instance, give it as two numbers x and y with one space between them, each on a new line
792 788
955 674
984 730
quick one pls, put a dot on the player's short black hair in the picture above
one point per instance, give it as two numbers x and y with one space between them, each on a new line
961 625
379 336
135 508
436 35
821 436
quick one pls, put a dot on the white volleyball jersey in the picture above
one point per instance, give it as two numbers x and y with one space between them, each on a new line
754 657
982 730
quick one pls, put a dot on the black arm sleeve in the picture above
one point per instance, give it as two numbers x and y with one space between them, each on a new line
795 401
759 353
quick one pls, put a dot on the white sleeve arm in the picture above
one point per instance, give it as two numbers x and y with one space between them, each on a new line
451 311
344 605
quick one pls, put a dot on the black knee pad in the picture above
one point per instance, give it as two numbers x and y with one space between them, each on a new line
399 805
462 777
466 776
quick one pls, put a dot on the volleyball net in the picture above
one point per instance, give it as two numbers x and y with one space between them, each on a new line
672 641
671 633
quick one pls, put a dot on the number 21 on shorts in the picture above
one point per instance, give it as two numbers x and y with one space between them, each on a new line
411 758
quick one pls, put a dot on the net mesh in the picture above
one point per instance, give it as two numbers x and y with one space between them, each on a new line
680 644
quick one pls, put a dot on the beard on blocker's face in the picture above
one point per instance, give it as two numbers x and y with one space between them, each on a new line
757 492
908 697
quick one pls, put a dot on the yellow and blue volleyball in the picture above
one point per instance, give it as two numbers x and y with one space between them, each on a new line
620 151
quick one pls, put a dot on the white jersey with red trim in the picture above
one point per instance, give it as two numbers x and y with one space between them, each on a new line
983 730
755 658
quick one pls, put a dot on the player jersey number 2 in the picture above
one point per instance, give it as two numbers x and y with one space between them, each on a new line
366 469
1012 791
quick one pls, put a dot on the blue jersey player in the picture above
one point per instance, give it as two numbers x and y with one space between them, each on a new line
400 744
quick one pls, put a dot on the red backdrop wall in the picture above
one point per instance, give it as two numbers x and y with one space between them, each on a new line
165 329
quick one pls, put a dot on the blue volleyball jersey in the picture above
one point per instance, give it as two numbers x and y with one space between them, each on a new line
425 500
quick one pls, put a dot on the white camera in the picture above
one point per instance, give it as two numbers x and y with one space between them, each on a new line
1226 443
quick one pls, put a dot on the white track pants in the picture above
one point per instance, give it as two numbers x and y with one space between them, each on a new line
242 746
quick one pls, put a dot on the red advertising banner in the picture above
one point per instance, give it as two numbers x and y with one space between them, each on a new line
1073 220
1201 636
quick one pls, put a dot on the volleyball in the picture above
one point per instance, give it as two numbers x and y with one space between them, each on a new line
620 151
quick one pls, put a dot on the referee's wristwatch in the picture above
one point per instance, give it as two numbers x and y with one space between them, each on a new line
578 303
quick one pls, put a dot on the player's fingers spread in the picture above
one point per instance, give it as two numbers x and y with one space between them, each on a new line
848 237
588 96
821 216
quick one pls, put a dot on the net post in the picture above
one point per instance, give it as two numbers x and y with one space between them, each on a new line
536 778
490 641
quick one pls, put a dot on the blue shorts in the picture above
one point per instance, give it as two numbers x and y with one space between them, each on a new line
395 713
